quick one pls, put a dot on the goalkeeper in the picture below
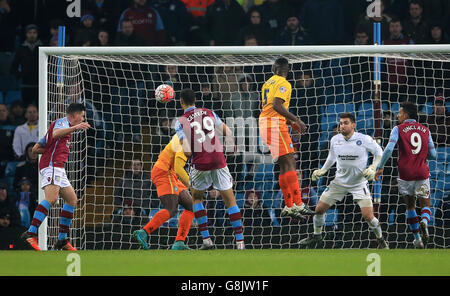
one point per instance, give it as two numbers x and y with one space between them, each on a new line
349 149
171 181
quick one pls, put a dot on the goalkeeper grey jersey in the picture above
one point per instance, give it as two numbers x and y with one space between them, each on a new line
351 156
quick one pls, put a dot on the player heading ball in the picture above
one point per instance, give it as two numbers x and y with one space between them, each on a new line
198 130
54 147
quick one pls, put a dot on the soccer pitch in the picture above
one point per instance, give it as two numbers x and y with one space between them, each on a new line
433 262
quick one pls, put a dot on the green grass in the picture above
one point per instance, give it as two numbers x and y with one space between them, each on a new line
228 262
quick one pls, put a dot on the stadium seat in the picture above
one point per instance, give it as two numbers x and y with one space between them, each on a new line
364 119
331 217
340 108
12 96
10 169
437 169
442 153
328 121
428 108
447 104
240 199
395 107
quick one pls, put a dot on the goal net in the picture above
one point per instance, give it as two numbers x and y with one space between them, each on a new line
109 165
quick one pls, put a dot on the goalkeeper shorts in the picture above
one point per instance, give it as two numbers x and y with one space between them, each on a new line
276 137
166 182
335 193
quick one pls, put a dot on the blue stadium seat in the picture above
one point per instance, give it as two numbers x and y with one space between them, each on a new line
395 107
428 108
331 217
364 118
340 108
437 169
240 199
10 169
442 154
12 96
328 121
447 104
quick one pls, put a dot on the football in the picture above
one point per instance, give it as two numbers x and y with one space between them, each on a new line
164 93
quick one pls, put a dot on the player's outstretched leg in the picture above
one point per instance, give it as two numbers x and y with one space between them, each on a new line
202 222
183 230
184 224
413 222
316 238
374 225
234 214
318 222
158 219
290 187
425 215
65 219
41 212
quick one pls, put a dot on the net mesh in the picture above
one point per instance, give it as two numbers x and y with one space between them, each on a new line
109 165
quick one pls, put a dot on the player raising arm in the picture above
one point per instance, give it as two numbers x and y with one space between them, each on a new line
166 175
415 146
54 148
350 150
198 129
273 120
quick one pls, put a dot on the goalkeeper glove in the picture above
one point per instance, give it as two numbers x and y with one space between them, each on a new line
369 173
317 174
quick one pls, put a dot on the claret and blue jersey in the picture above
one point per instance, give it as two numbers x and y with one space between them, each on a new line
411 137
56 150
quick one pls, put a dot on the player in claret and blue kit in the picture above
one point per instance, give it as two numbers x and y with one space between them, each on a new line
54 148
198 130
415 146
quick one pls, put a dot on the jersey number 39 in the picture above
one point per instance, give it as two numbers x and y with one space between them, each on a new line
208 125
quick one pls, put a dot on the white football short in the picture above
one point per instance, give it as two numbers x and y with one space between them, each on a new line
335 193
220 179
420 188
54 176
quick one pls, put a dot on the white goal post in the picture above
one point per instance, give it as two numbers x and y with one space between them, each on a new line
60 78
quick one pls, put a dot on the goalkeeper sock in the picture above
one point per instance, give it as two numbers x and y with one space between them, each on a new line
413 222
374 225
294 187
201 219
318 221
65 220
235 218
184 225
39 215
284 185
425 214
160 217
